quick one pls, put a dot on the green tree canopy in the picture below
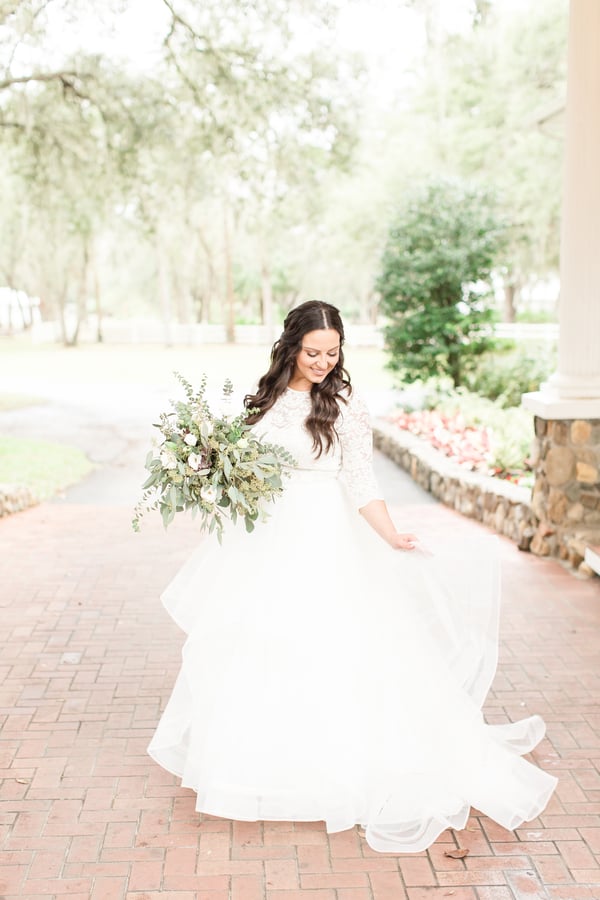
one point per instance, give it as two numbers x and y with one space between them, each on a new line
434 280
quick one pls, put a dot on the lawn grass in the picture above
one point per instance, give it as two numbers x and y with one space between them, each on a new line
44 467
18 401
22 361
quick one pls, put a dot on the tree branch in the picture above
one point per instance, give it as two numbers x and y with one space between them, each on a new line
41 76
177 19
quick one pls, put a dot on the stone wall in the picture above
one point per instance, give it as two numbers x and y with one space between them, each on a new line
501 505
566 494
559 518
14 498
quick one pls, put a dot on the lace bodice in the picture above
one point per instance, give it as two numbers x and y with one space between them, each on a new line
351 456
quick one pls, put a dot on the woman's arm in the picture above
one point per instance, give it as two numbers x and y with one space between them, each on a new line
376 514
357 467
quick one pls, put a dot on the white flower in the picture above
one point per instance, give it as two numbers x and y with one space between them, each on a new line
168 459
242 443
191 440
194 461
208 493
199 418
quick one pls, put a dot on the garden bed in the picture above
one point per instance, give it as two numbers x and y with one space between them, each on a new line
498 503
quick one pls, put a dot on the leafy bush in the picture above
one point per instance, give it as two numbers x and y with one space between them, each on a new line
505 377
434 281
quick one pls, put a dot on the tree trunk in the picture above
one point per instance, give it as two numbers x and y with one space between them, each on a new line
229 293
164 290
25 310
511 291
61 300
266 289
206 297
96 294
80 307
454 366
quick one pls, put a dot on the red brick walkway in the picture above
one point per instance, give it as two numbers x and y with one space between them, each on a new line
88 661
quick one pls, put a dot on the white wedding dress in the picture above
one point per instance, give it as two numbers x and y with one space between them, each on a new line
328 677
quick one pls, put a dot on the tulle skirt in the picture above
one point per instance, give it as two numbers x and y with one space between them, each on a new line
328 677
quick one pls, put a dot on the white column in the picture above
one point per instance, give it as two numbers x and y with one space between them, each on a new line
574 390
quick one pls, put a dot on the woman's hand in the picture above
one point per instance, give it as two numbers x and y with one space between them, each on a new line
403 541
377 515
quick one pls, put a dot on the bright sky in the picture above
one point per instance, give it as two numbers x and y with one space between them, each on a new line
389 34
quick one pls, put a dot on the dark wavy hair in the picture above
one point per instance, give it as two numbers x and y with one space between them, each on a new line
326 396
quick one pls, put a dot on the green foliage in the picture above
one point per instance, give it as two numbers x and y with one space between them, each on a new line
115 174
506 377
495 114
42 466
117 178
434 281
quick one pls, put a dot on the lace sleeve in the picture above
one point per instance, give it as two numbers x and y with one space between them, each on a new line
356 439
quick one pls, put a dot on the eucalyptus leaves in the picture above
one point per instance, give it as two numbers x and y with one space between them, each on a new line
213 465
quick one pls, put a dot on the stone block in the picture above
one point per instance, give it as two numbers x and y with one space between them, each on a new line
581 431
559 432
544 529
525 539
574 558
587 455
499 518
560 465
590 500
490 501
466 507
577 545
585 570
539 546
586 473
538 505
557 506
575 512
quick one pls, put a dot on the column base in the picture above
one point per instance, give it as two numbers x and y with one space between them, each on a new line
566 494
549 404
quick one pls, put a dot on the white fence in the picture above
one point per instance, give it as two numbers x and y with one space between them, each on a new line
527 331
152 331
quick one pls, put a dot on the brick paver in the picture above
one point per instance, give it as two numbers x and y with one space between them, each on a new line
88 661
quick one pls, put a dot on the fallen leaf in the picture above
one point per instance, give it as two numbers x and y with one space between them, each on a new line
22 781
459 853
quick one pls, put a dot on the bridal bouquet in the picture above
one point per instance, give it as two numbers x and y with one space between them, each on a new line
213 465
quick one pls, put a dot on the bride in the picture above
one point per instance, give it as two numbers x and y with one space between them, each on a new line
334 670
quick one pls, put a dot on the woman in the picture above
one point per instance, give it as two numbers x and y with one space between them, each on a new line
332 670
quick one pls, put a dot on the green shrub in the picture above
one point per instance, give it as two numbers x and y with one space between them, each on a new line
434 281
504 377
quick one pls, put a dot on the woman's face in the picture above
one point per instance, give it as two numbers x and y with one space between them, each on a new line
319 354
